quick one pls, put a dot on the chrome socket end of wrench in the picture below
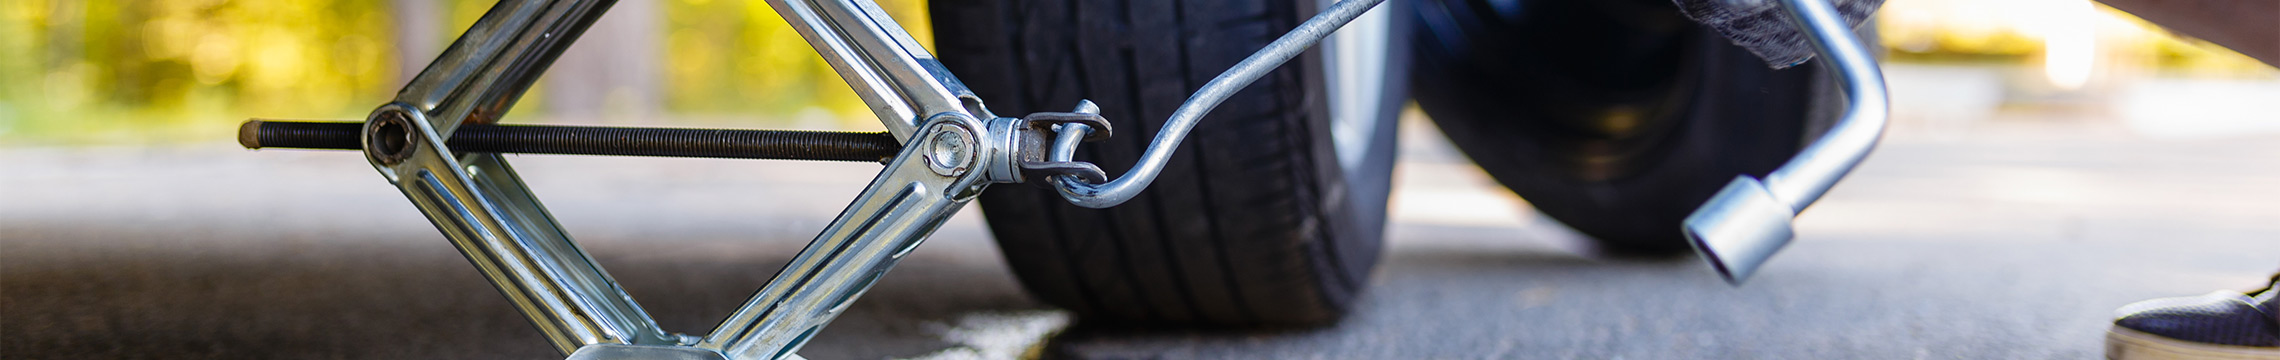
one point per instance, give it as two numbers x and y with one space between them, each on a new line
1745 223
1739 228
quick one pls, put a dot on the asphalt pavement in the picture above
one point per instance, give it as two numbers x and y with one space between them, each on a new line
2012 240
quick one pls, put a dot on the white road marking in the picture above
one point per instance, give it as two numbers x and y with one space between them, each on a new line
999 335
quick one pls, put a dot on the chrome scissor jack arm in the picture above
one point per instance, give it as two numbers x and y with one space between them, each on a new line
477 201
930 180
951 148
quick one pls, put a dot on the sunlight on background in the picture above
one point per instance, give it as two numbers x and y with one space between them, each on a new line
92 71
1957 66
141 71
2069 44
2067 38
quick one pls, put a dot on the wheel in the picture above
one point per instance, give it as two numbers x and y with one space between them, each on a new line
1269 214
1614 117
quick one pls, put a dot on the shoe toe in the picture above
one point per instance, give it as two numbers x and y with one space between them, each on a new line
2223 317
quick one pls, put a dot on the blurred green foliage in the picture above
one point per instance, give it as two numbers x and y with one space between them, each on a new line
137 71
740 57
110 71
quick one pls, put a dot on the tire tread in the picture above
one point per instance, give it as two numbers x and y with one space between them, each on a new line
1233 233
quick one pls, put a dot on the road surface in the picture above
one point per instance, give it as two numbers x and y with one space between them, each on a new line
2012 241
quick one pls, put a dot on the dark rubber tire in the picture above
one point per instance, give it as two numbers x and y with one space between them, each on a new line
1252 224
1616 117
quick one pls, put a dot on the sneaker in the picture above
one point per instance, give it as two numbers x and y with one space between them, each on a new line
2221 325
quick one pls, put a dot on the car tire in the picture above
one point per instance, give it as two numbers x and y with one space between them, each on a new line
1615 117
1257 221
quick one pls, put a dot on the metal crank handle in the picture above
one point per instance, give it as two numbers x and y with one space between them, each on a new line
1151 164
591 140
1748 220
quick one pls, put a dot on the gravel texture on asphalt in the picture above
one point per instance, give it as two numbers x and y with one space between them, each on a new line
2011 247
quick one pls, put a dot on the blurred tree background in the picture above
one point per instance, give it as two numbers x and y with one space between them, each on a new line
142 71
2024 31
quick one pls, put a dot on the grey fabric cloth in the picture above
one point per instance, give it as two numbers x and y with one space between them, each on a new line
1760 25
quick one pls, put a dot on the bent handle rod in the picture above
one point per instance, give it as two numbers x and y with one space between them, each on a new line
1745 223
586 140
1184 119
1814 170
